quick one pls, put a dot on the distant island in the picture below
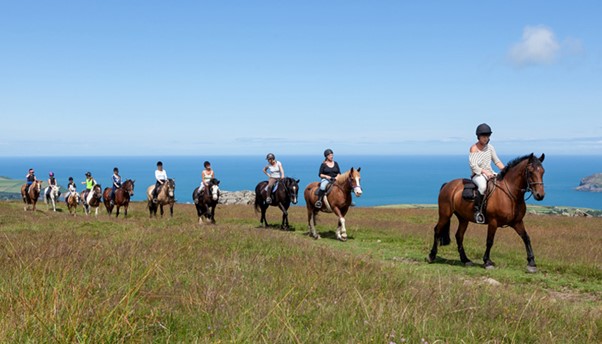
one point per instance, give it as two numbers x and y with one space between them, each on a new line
592 183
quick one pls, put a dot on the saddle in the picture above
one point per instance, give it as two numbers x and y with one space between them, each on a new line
326 192
470 190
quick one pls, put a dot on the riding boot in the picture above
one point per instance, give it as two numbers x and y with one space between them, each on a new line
478 208
268 194
320 197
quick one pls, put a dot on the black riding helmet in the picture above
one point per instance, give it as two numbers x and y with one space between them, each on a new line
483 129
88 174
327 152
159 163
270 156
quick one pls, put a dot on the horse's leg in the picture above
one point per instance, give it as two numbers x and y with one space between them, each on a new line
117 212
284 215
311 222
96 211
522 232
462 226
341 231
491 229
264 220
441 229
171 210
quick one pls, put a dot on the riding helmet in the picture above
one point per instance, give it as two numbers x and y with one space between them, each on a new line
159 163
51 174
115 169
270 156
206 163
31 170
88 174
483 129
70 178
328 152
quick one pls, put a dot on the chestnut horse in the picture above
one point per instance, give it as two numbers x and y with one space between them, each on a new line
165 196
32 195
72 202
92 198
287 191
336 201
122 197
505 207
206 202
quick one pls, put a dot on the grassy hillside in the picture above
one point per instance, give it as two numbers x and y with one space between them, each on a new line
93 280
8 185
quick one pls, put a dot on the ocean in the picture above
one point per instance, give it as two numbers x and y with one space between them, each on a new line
386 180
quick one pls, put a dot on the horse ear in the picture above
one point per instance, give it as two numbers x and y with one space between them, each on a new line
543 156
298 180
359 169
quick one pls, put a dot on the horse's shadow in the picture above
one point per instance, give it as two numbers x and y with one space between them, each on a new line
454 262
333 235
276 226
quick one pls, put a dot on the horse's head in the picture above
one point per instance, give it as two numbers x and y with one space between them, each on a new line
38 186
171 187
214 188
354 181
534 174
292 185
97 191
128 186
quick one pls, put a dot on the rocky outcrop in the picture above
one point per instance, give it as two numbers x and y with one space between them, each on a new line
237 197
592 183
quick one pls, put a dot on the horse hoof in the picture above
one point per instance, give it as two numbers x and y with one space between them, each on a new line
531 269
490 267
430 259
468 263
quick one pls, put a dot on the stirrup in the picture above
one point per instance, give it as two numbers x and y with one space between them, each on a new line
318 204
268 200
479 217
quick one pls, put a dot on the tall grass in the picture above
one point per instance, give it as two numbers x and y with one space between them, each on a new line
91 280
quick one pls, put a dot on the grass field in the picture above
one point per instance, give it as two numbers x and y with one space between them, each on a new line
91 280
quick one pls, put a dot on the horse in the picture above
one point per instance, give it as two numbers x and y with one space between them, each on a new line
206 202
122 197
285 194
337 201
165 196
72 201
51 195
505 207
92 198
31 196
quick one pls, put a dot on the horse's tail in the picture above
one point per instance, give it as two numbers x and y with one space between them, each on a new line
444 238
258 202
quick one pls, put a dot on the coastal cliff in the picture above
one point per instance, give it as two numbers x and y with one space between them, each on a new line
592 183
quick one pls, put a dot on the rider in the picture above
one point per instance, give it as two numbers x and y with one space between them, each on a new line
329 170
72 188
30 178
275 172
51 182
161 177
90 183
206 177
481 155
116 184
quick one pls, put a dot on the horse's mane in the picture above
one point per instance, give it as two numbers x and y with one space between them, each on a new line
341 178
511 165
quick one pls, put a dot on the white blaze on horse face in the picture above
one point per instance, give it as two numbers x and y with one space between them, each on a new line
357 189
214 190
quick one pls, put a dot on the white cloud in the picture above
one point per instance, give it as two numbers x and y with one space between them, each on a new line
537 46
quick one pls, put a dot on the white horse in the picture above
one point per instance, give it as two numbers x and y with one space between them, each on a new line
52 196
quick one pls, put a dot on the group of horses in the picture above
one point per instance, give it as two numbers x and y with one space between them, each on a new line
505 203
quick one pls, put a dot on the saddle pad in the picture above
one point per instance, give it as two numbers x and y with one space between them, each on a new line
469 189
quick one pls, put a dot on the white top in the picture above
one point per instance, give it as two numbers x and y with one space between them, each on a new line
481 160
207 176
161 175
275 170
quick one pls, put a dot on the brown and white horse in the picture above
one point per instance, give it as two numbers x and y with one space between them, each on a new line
165 196
122 197
207 201
92 198
72 202
32 195
337 201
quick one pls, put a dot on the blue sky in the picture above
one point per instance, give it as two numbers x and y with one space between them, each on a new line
295 77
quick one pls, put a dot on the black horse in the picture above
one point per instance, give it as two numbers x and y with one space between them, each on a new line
285 193
207 201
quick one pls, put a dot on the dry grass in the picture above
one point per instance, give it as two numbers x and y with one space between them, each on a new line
138 280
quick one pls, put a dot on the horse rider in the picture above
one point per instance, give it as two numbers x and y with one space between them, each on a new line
206 177
90 183
481 155
275 172
30 178
51 182
71 188
161 177
329 170
116 184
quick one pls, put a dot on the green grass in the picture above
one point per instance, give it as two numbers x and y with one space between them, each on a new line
91 280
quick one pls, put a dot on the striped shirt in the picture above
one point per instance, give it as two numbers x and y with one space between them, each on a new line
481 160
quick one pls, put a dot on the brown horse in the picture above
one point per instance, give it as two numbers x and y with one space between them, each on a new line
72 201
206 202
122 197
31 196
505 207
92 198
165 196
336 201
287 191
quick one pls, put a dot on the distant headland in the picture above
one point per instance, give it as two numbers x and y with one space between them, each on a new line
592 183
